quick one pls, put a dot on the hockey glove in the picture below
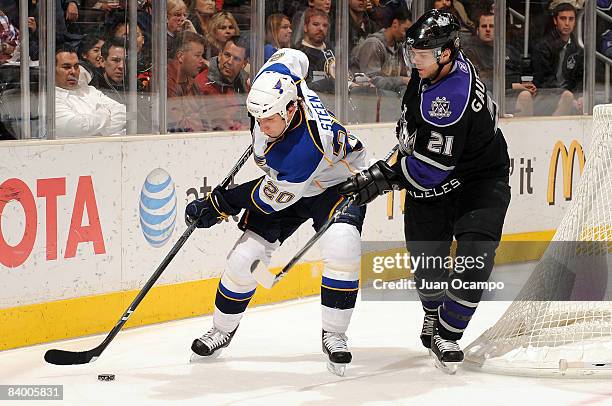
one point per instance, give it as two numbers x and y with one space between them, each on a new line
366 186
209 211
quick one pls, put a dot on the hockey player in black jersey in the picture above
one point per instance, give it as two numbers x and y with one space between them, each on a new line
454 166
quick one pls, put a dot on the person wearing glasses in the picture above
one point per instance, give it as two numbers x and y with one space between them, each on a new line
178 19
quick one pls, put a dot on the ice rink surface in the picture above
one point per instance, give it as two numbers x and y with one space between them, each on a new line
275 358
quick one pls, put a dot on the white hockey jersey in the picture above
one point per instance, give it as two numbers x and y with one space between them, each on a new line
316 151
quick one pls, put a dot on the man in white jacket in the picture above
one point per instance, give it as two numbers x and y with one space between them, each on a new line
82 110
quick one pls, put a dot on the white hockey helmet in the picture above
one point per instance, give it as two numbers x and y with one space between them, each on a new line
270 94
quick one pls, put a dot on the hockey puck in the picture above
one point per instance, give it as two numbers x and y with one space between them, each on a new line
106 377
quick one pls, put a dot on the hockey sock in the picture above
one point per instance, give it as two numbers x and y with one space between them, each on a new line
230 302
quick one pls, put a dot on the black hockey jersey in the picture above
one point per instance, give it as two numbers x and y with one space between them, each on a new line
448 133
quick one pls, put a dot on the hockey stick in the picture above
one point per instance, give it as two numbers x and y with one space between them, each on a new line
61 357
268 279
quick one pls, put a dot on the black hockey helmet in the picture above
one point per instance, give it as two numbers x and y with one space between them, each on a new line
434 29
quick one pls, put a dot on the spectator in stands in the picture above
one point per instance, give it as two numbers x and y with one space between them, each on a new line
9 39
200 12
479 44
221 27
118 13
121 32
380 56
480 53
360 25
117 27
559 66
603 32
376 10
278 34
12 11
455 7
286 7
108 6
321 69
112 81
71 10
226 79
298 21
82 110
146 6
177 19
438 4
90 57
186 62
226 71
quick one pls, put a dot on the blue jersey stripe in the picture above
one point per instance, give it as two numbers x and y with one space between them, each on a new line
297 155
235 295
459 309
425 174
338 284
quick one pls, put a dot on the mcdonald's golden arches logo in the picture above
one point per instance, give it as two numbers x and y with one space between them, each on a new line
567 161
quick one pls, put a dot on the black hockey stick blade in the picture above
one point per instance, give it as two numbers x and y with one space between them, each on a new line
61 357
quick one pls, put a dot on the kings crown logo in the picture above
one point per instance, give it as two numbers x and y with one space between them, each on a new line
440 108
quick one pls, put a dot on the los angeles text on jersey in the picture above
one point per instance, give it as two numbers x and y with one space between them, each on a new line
435 192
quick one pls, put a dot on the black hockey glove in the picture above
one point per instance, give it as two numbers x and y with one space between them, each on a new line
366 186
210 210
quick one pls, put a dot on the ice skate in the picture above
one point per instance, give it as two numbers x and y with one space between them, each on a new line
427 330
447 354
210 345
334 346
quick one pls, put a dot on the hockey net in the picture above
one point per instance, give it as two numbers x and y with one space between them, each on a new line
540 334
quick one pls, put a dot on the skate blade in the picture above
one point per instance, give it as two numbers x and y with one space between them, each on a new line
195 358
449 368
336 369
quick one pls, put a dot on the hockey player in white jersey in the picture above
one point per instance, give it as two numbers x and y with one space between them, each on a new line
304 153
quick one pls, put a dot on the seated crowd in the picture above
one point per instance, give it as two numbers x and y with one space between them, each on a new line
208 56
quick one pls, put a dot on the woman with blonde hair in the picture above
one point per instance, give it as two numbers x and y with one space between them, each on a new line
221 27
278 34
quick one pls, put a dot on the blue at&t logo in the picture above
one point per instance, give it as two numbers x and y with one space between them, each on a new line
158 207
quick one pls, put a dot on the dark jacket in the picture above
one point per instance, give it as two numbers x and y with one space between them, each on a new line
546 59
481 55
357 33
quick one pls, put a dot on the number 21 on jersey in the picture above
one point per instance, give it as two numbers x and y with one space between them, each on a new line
439 144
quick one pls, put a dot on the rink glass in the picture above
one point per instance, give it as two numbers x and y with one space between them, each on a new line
27 84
